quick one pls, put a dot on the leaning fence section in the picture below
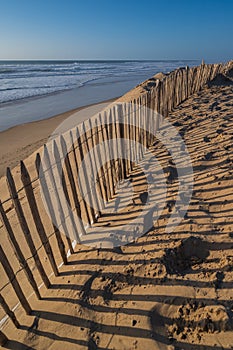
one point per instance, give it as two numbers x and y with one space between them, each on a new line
34 217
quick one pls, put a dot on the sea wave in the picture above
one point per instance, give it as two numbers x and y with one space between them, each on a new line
21 79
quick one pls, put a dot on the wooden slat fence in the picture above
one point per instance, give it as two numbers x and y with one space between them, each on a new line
43 241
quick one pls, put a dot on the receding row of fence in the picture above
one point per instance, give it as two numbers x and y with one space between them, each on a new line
84 199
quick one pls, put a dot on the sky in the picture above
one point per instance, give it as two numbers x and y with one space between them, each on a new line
116 29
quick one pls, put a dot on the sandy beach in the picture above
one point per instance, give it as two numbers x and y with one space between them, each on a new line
116 175
165 291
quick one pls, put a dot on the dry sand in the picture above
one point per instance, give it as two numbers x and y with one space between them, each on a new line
165 291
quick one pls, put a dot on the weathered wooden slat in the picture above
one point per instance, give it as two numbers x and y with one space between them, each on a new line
92 165
120 136
98 161
8 311
104 156
14 282
81 151
150 111
95 165
133 132
127 140
140 123
183 85
110 176
110 132
72 182
58 179
46 194
144 116
116 146
147 120
88 169
82 203
26 180
105 120
18 252
25 228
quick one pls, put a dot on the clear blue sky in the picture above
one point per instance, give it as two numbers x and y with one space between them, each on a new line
121 29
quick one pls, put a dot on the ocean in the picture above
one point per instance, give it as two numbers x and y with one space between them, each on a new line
33 90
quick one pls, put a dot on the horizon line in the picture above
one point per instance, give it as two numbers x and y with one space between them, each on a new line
86 59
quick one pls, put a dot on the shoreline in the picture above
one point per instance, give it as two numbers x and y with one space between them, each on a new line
42 107
20 141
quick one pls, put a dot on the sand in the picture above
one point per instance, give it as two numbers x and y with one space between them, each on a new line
165 291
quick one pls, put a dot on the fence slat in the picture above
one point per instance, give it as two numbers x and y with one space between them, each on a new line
140 133
103 157
25 228
65 202
99 165
127 141
44 187
8 311
93 190
110 132
83 205
72 182
61 202
18 252
14 282
81 153
116 145
95 166
120 136
26 180
105 121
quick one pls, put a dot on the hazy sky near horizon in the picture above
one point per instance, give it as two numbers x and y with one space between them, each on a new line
122 29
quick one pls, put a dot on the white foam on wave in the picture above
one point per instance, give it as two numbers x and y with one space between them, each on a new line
27 79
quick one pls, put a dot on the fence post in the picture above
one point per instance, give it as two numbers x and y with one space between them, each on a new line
140 123
127 140
81 151
109 131
82 203
62 202
70 174
25 228
93 191
99 166
120 136
46 193
107 175
133 133
118 152
110 176
95 165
